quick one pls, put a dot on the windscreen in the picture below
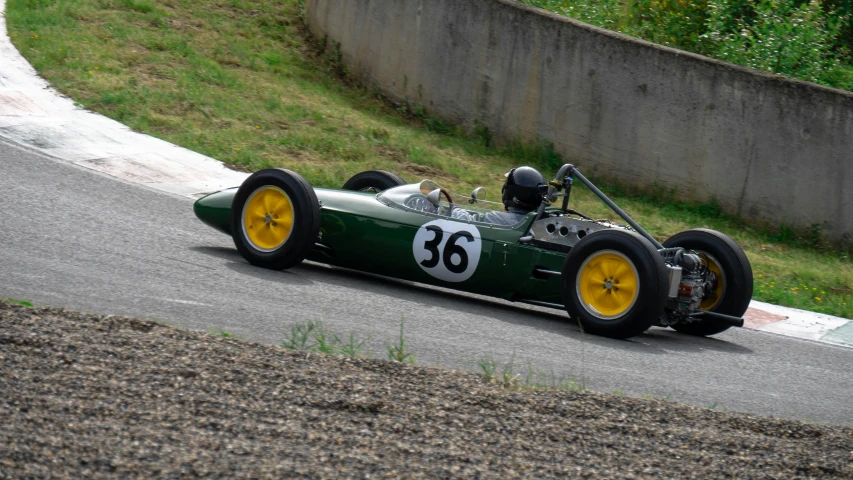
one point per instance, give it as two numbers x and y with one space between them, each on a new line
466 207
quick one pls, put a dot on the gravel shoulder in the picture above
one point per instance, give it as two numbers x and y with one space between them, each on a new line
93 396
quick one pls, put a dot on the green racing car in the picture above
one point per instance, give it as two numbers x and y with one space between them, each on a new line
613 280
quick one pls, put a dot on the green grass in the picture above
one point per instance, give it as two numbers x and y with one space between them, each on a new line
313 336
532 379
241 82
25 303
218 332
400 352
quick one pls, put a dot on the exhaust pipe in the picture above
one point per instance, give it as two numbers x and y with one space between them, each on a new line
720 317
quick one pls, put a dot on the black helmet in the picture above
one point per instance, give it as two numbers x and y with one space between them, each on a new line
522 188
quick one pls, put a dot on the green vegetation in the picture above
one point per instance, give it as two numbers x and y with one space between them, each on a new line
400 352
805 39
19 302
218 332
506 377
314 337
241 82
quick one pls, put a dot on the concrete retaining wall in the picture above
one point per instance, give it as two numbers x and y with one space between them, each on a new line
771 150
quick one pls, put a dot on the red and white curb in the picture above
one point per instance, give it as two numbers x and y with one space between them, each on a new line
34 115
793 322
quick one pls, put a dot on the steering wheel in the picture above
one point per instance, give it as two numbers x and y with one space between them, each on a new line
447 196
436 201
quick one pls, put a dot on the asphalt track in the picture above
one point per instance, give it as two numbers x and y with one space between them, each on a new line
75 238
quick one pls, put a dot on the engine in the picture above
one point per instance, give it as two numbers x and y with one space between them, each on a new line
688 293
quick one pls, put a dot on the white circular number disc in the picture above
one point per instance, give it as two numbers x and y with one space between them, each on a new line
447 250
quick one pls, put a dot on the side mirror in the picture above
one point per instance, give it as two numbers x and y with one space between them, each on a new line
478 195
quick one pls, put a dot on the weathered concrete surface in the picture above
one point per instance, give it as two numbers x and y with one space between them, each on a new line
769 149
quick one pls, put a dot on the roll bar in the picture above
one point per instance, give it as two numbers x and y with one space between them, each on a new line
563 182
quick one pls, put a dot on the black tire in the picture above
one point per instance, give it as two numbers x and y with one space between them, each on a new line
277 247
373 181
735 292
599 258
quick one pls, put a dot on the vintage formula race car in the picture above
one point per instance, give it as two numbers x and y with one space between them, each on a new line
614 280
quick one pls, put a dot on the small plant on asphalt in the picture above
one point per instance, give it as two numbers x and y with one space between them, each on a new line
571 385
314 337
530 376
533 379
218 332
352 348
20 302
324 340
300 336
489 367
550 381
399 352
506 377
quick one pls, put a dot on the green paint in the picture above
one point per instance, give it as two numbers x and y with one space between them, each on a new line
215 209
364 234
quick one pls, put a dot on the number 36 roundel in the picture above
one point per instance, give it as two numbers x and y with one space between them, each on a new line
449 251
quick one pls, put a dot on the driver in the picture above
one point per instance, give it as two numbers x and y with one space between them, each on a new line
520 195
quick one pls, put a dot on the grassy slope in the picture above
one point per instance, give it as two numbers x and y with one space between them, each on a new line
239 81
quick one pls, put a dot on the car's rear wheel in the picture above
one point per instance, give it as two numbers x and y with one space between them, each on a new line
727 260
275 218
373 181
614 283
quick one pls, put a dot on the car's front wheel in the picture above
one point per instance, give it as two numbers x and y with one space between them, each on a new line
614 283
275 218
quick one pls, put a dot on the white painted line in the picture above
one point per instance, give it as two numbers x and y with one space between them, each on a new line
185 302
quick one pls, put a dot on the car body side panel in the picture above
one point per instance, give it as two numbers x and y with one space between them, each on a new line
361 233
514 265
364 234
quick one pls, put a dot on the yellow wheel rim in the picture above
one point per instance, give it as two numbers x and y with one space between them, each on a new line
608 284
713 297
268 218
